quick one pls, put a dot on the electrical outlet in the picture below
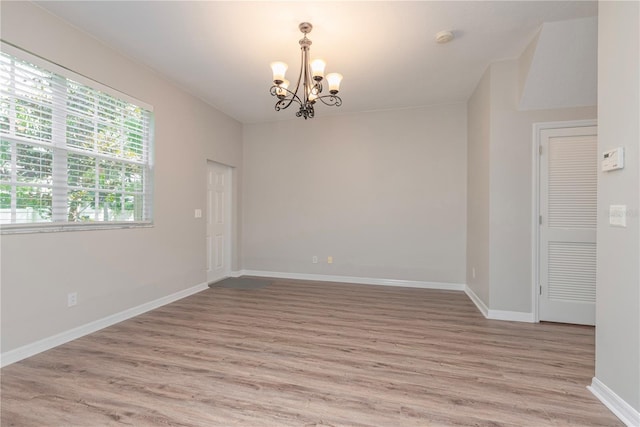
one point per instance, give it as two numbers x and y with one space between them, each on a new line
314 259
329 260
72 299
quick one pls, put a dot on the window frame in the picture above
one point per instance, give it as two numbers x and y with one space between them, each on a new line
60 173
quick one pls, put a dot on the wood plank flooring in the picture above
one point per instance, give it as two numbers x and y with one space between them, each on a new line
312 354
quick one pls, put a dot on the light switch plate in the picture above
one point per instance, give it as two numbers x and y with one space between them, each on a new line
618 215
198 213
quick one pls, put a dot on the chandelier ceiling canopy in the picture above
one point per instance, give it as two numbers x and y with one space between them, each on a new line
308 89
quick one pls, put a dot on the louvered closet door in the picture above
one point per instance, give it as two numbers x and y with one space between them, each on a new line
568 207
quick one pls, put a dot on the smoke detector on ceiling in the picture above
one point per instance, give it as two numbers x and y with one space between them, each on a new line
444 36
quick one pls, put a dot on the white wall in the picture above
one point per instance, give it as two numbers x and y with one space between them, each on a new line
117 269
618 272
384 193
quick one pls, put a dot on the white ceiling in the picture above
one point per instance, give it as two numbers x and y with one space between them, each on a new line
221 50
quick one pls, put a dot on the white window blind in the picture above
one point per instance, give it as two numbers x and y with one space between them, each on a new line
72 151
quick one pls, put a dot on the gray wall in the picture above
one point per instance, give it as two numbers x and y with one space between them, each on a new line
507 286
478 191
618 272
511 187
116 269
384 193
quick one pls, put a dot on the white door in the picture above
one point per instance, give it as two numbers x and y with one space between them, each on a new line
568 211
218 221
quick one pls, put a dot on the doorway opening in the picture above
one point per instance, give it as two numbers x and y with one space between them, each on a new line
219 221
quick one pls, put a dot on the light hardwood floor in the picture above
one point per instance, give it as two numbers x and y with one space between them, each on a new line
312 354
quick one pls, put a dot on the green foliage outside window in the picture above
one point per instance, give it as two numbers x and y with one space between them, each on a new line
59 137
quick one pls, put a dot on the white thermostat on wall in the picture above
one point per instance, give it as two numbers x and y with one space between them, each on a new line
613 159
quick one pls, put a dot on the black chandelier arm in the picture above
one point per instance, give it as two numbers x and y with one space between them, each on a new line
316 89
300 80
330 100
284 102
275 89
310 85
281 105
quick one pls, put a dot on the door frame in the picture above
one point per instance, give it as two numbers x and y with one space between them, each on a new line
535 202
229 210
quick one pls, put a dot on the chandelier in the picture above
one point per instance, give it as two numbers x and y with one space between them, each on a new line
309 82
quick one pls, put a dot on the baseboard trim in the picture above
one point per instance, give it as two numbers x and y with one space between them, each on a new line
44 344
351 279
611 400
477 301
511 316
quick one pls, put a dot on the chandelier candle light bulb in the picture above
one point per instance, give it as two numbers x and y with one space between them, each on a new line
309 83
279 69
334 80
282 89
317 69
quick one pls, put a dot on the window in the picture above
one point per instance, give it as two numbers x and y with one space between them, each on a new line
73 153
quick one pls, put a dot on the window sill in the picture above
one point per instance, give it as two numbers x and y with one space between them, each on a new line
55 228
